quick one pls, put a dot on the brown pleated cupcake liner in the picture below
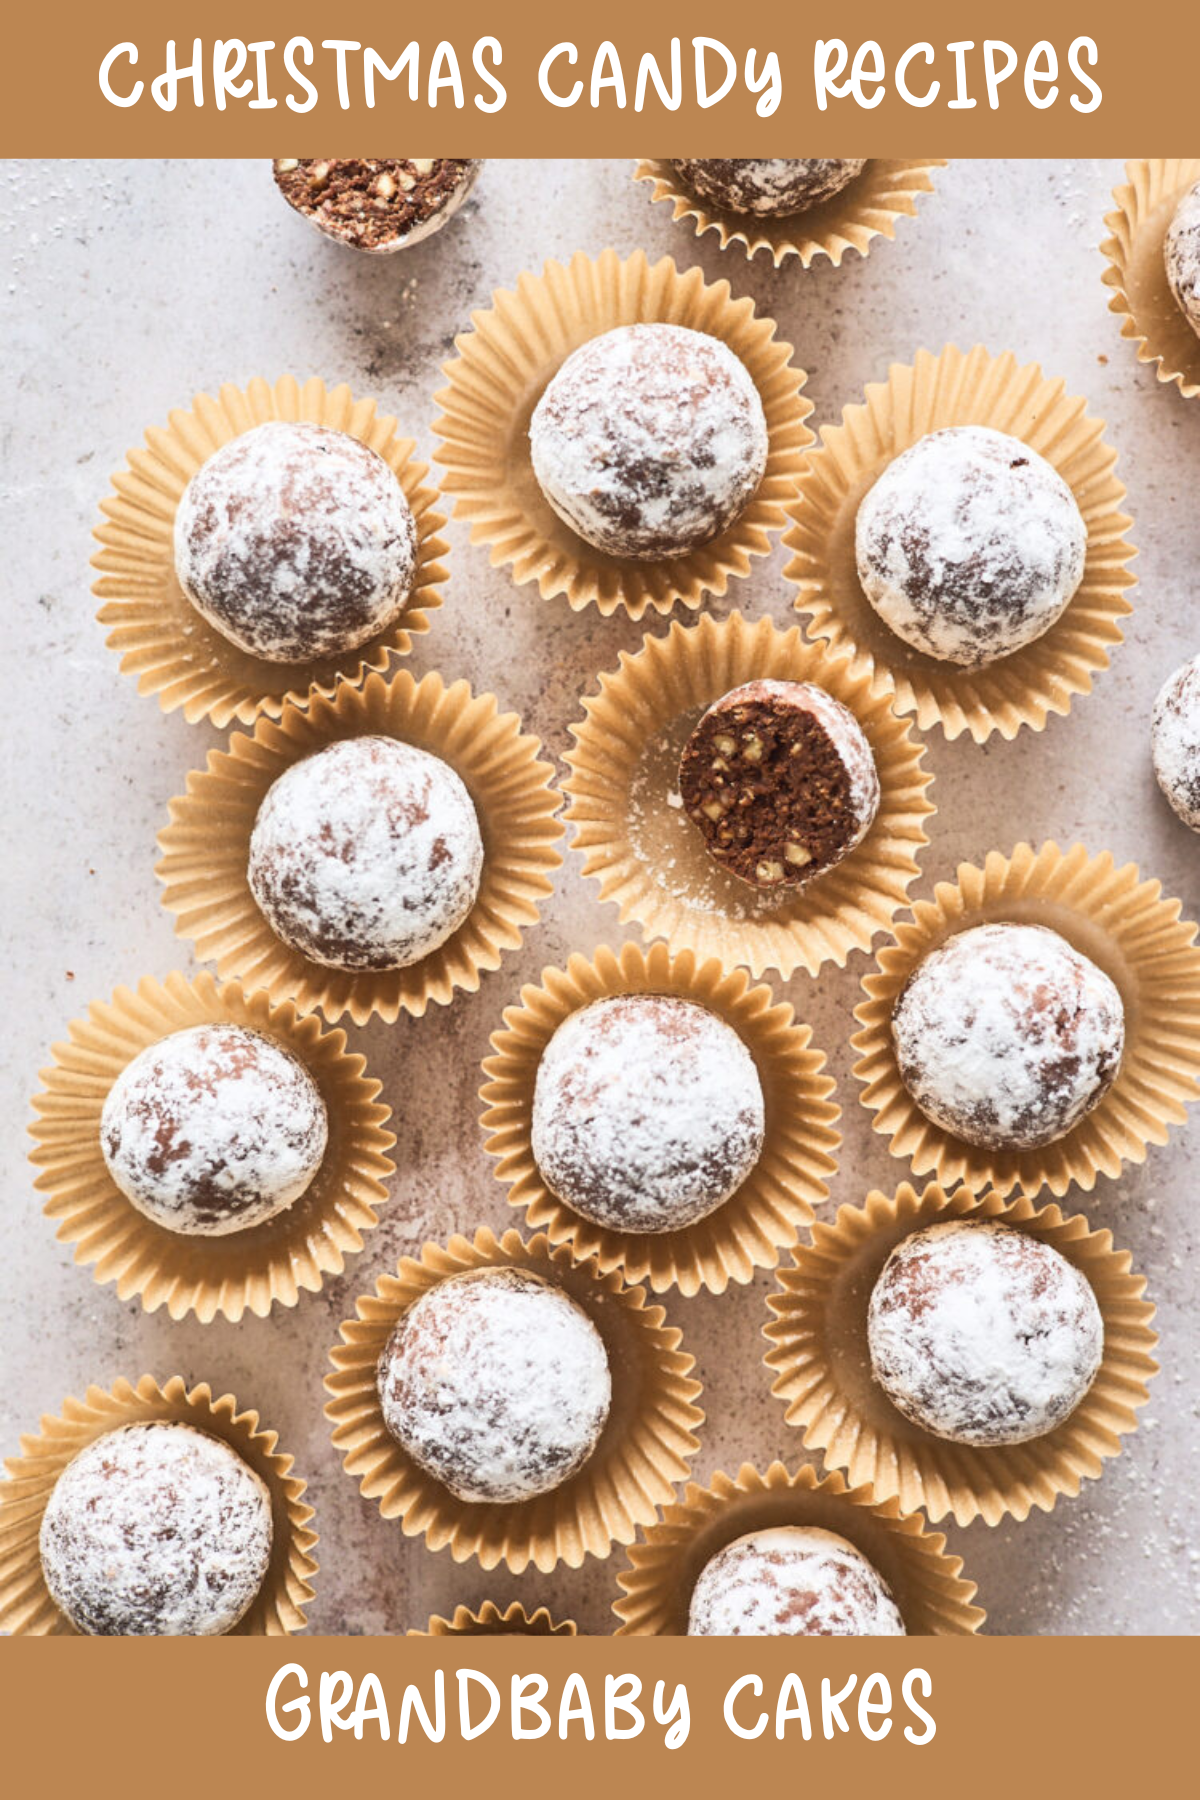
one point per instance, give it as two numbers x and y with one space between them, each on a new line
248 1271
508 358
777 1198
1141 296
963 388
158 634
823 1364
206 845
649 858
1125 926
644 1450
926 1581
26 1609
489 1621
867 208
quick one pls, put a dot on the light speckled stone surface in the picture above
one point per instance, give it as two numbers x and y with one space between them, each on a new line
134 286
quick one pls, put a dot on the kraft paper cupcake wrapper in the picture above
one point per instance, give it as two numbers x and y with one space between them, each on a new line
1141 297
926 1581
489 1621
867 208
1125 926
206 845
26 1609
643 1452
248 1271
505 362
650 859
158 634
777 1198
963 388
823 1364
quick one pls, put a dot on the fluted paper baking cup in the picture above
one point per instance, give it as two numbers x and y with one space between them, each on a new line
156 631
506 361
1128 928
926 1581
1141 296
823 1364
26 1609
247 1271
206 845
777 1198
866 208
489 1621
648 857
644 1449
963 388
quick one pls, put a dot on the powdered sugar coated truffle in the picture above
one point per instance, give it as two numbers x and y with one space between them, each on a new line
647 1112
1181 251
497 1384
1175 742
970 545
770 187
366 855
792 1581
983 1334
649 440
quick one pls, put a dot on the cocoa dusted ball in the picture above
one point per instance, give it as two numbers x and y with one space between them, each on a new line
792 1581
1181 252
156 1530
649 441
1007 1037
982 1334
1175 742
769 187
376 204
497 1384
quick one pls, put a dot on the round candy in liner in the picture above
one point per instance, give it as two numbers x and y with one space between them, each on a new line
792 1581
1181 253
768 187
1175 742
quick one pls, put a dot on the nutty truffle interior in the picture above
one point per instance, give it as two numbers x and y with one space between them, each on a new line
367 200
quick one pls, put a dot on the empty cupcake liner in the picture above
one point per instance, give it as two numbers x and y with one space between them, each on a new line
648 857
206 845
926 1581
489 1621
963 388
821 1356
1141 297
1125 926
26 1609
248 1271
644 1449
778 1197
158 634
509 357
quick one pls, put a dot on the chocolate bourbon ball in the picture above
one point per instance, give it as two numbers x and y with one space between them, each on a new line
497 1384
295 542
1181 251
647 1112
213 1129
792 1581
649 441
156 1530
366 855
982 1334
769 187
377 204
1007 1037
970 545
1175 742
779 779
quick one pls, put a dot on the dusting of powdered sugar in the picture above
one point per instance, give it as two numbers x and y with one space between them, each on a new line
213 1130
1006 1036
647 1112
1181 252
156 1530
295 542
497 1384
770 187
1175 742
970 545
649 440
792 1581
983 1334
366 855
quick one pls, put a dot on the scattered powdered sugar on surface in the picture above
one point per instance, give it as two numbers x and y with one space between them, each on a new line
1181 252
970 545
156 1530
983 1334
366 855
1006 1036
771 187
647 1113
1175 739
792 1581
497 1384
